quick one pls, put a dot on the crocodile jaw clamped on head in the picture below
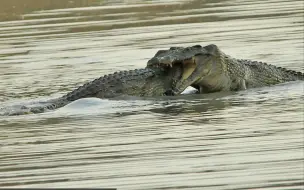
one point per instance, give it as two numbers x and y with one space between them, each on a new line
180 57
208 69
203 67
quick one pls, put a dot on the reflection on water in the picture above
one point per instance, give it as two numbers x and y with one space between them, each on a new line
242 140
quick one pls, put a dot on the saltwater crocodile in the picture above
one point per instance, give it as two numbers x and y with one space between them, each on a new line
138 82
211 70
171 71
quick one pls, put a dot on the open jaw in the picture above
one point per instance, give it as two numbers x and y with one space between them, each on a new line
195 62
183 72
194 69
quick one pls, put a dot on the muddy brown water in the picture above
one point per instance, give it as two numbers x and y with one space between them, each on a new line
244 140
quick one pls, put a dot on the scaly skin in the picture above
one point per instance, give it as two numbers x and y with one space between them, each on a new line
174 55
213 71
138 82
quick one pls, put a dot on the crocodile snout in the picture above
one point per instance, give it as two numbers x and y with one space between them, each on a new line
153 61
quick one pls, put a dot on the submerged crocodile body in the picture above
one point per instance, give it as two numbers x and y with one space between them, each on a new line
138 82
211 70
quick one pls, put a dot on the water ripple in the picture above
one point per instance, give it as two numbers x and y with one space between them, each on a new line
240 140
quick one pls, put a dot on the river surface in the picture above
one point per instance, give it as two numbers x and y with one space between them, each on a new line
249 139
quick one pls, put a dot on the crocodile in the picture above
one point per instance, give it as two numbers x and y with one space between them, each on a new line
139 82
211 70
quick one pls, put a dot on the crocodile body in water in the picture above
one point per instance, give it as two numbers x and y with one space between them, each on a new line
138 82
211 70
171 71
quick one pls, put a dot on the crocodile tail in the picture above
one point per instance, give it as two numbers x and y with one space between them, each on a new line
49 105
298 75
40 107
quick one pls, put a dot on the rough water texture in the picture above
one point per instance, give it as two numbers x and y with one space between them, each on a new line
249 139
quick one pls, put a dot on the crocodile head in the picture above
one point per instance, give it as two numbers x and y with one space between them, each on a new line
195 63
